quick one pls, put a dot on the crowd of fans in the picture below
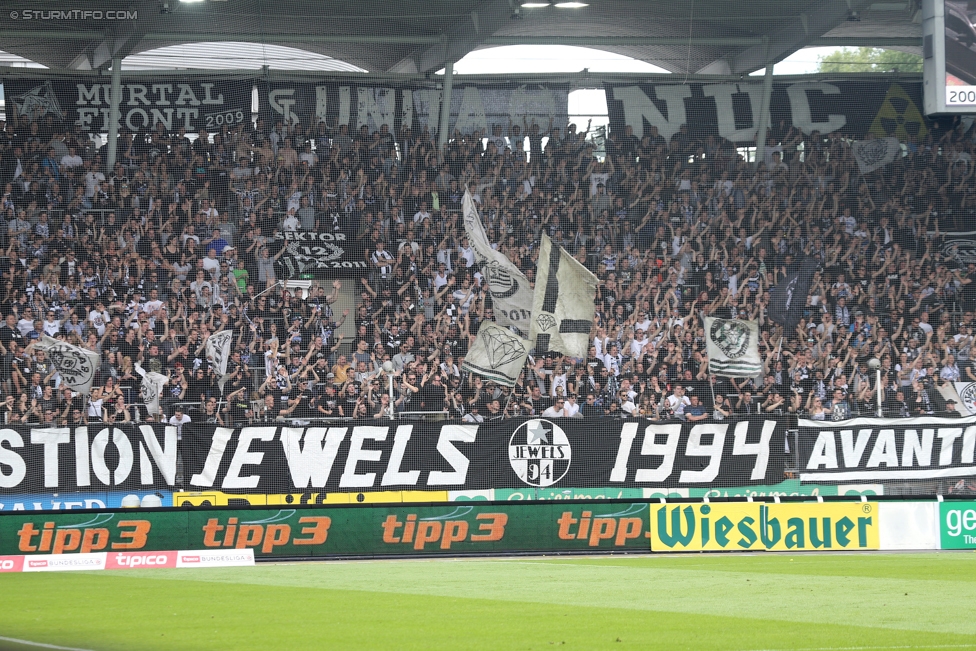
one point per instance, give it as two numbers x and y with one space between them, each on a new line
142 263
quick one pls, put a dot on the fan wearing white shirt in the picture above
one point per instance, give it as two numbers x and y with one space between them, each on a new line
71 160
421 215
637 343
677 401
466 253
99 318
153 304
613 360
52 325
557 410
571 408
290 223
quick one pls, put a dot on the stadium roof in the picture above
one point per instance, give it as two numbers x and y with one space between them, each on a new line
703 36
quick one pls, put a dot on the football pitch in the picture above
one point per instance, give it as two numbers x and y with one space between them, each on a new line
742 602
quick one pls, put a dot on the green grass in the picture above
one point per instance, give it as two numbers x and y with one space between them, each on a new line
765 601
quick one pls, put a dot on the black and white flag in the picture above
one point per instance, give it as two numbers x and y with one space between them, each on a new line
733 347
218 352
788 298
497 354
876 153
76 366
511 294
152 385
562 306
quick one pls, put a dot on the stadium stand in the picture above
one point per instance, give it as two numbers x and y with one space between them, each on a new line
142 264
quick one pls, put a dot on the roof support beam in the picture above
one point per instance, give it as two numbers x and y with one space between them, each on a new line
463 36
867 41
767 92
821 18
610 41
188 37
445 122
51 34
113 115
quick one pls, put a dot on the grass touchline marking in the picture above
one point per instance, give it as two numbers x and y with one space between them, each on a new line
41 644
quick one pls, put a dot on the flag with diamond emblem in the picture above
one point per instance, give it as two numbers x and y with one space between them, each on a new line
497 354
562 306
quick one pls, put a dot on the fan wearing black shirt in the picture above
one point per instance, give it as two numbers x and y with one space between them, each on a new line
9 332
433 392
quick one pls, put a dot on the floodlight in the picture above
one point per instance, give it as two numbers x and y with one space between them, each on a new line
534 5
571 5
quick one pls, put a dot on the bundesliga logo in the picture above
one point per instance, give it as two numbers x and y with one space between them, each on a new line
539 453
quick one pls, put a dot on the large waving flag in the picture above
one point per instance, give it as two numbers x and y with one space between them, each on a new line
218 352
76 366
562 306
733 347
789 297
511 294
497 354
152 386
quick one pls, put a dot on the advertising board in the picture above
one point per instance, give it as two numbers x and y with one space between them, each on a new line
772 527
957 525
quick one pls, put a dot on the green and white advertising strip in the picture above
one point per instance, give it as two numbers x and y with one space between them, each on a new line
786 488
957 525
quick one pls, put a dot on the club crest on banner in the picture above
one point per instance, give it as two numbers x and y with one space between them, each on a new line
968 397
539 452
501 283
75 368
961 250
731 337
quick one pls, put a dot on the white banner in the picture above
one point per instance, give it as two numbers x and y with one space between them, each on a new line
875 154
497 354
562 306
152 385
76 366
218 352
511 294
965 398
733 347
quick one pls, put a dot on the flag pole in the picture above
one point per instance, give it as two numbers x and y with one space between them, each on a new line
711 385
219 402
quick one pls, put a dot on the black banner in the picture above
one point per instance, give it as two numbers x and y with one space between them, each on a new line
194 103
788 298
417 106
45 460
731 110
877 449
383 455
325 254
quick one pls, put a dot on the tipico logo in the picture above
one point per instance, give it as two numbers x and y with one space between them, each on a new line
539 452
